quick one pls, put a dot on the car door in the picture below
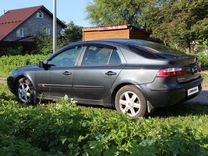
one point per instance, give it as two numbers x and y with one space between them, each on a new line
58 78
99 68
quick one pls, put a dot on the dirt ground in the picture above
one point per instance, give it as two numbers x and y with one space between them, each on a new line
2 80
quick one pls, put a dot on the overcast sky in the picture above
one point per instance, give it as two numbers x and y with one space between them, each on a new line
67 9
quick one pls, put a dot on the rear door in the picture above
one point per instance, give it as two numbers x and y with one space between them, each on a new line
99 68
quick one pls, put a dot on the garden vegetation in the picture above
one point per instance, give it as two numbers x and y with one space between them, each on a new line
63 128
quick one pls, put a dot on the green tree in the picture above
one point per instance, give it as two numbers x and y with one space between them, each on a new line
72 33
115 12
178 23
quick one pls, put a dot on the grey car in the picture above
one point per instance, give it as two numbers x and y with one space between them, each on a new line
133 76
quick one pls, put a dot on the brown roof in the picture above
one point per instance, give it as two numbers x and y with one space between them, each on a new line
110 28
120 27
12 19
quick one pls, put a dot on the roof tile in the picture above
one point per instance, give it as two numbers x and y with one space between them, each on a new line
14 18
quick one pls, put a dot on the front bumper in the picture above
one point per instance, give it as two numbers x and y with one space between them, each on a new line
167 95
11 84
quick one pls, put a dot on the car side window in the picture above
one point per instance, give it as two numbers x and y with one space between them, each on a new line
67 58
115 59
96 56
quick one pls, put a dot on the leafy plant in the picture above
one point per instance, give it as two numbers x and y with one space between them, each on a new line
63 128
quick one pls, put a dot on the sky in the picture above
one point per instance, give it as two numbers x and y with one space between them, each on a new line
67 10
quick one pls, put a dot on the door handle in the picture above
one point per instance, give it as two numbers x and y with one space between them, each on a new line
67 73
110 73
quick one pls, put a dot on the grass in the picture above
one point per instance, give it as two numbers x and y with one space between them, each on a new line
10 63
62 128
33 124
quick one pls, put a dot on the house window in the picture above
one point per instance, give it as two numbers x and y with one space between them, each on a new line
20 32
48 31
62 32
40 14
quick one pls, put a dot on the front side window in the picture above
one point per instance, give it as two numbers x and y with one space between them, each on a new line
96 56
66 59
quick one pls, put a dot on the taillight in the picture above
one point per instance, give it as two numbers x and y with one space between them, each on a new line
171 72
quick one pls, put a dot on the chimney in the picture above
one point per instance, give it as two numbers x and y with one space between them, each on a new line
4 11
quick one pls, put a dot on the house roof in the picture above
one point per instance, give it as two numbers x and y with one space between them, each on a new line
12 19
110 28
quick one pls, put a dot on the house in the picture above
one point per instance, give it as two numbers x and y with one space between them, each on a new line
27 23
114 32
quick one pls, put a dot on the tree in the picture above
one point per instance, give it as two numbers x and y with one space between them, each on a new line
177 22
72 33
115 12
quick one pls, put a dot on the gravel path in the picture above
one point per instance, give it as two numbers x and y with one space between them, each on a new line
202 98
2 80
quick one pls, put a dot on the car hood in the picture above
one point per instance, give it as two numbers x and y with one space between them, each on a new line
25 69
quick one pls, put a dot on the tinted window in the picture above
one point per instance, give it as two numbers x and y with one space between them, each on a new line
115 59
143 52
96 56
67 58
156 48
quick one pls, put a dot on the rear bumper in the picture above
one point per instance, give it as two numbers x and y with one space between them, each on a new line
167 95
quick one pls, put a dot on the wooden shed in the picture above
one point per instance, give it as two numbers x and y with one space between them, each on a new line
114 32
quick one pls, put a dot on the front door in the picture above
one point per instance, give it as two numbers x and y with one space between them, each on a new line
58 78
97 72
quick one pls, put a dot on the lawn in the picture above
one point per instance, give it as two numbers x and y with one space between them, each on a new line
63 128
9 63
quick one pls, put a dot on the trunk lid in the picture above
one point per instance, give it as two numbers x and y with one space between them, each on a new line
190 65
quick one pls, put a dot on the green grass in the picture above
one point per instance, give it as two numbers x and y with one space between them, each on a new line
10 63
62 128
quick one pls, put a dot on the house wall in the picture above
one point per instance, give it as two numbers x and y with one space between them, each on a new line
101 35
34 26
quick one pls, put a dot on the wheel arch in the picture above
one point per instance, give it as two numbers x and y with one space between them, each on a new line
116 88
24 76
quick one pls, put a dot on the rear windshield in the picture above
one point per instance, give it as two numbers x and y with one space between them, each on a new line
156 49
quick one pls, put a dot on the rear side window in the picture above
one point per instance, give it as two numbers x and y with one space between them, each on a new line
99 56
115 59
143 53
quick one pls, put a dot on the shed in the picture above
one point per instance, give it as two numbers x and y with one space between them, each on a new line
114 32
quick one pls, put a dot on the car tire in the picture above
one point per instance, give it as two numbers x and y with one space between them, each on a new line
25 92
131 101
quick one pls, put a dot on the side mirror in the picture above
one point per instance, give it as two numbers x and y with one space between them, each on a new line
43 64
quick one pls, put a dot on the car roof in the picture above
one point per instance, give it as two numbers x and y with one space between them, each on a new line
120 42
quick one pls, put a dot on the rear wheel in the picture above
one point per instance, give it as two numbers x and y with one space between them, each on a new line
130 100
26 92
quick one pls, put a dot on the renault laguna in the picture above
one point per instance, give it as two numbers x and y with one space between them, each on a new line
133 76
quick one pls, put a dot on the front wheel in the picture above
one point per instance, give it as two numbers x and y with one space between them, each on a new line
131 101
25 92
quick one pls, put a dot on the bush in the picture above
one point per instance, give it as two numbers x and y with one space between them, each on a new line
66 129
9 63
203 59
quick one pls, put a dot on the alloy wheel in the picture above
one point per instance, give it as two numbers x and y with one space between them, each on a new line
130 103
24 92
